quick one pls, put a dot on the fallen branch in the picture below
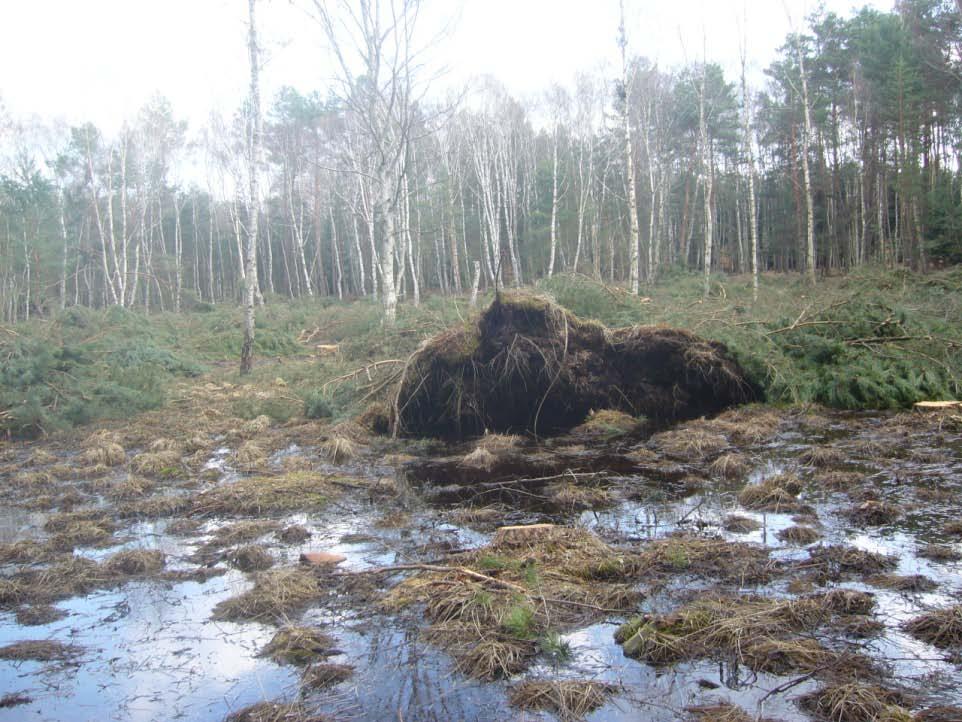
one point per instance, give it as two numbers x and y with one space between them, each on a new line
366 370
446 570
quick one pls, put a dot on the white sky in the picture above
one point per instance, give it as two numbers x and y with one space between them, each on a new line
100 60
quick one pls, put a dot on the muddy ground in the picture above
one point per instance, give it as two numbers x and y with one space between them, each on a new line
787 564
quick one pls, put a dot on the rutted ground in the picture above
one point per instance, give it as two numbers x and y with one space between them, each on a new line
785 564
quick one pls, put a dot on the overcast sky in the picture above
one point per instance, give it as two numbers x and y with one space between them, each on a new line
99 60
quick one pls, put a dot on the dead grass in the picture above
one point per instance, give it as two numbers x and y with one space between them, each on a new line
874 513
275 595
135 562
800 535
840 480
251 558
36 615
132 487
70 577
941 627
25 551
940 553
821 457
339 449
606 425
569 699
498 443
183 527
294 534
953 527
165 464
255 427
689 443
298 646
479 459
574 497
777 494
835 560
103 454
241 532
709 557
86 528
740 524
730 466
154 507
903 583
324 675
45 650
721 712
250 456
300 491
856 702
274 712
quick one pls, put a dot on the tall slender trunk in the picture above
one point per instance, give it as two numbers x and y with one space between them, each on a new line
554 202
634 239
253 199
806 171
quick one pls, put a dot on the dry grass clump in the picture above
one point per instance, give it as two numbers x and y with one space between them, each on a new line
133 487
154 507
775 494
800 535
251 558
103 454
73 576
157 463
856 702
498 443
846 601
40 650
479 459
821 457
761 633
300 491
133 562
569 699
25 551
339 449
489 608
940 553
324 675
298 646
255 427
953 527
32 481
274 712
942 627
606 425
294 534
183 527
241 532
740 524
874 513
730 466
483 516
709 557
89 527
165 444
689 443
41 457
837 559
721 712
840 480
296 462
36 615
250 455
751 424
903 583
572 497
940 714
275 595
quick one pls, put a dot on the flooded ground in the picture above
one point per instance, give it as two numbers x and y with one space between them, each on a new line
759 504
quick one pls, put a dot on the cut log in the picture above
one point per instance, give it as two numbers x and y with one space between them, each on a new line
322 559
938 405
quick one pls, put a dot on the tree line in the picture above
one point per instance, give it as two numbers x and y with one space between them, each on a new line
850 153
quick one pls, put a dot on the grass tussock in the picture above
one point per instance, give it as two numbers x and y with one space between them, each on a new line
569 699
575 497
164 464
105 453
874 513
298 646
740 524
730 466
856 702
833 561
275 595
517 590
324 675
708 557
607 425
903 583
777 494
821 457
720 712
940 553
35 615
40 650
339 449
251 558
941 627
274 712
300 491
840 480
294 534
689 444
250 456
135 562
761 633
131 487
799 535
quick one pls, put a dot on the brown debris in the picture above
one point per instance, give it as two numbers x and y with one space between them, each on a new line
569 699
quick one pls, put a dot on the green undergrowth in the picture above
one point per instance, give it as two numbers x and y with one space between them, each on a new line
872 339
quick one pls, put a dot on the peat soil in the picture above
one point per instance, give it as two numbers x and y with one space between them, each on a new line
195 539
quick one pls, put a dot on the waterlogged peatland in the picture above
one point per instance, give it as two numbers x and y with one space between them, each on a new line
768 563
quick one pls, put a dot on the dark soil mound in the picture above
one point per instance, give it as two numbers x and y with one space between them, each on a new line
530 365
